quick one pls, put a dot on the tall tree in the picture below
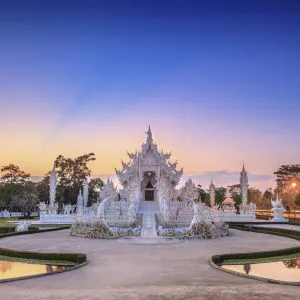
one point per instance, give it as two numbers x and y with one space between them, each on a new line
254 195
288 177
13 174
71 174
12 182
26 201
95 185
220 195
43 190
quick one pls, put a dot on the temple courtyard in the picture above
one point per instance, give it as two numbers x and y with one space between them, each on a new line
118 269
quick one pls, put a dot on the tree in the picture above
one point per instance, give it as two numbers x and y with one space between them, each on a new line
11 184
288 186
71 174
27 200
220 195
254 195
13 174
43 190
288 177
95 185
297 201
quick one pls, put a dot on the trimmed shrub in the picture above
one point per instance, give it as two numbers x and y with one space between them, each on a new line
77 258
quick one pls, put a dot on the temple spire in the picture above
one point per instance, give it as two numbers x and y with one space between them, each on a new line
149 135
243 170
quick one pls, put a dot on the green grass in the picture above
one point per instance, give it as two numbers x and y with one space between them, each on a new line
39 261
260 259
4 223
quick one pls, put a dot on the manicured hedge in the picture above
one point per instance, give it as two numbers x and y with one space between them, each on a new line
31 230
77 258
293 234
218 259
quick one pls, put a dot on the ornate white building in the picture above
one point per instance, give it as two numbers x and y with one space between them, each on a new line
149 175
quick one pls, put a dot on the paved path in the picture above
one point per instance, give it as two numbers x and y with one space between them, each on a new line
123 271
149 228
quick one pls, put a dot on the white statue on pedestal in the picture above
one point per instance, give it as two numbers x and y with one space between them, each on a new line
23 226
67 209
43 207
278 210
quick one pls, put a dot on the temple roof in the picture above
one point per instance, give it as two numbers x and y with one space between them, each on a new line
159 158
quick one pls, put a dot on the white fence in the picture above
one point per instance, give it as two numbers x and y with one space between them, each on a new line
7 214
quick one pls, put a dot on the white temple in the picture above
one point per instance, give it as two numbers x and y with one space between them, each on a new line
149 193
148 172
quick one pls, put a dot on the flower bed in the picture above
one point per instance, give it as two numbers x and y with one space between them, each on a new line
99 230
199 230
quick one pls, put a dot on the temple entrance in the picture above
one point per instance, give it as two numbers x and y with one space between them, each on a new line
149 195
149 191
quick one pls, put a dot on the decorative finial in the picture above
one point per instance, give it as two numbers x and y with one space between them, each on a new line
149 135
243 170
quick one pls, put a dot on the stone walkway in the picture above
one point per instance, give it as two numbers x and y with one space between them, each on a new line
139 272
149 228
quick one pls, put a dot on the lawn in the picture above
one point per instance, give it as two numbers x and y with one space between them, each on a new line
261 259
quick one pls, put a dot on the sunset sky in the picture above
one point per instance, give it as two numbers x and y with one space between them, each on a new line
218 83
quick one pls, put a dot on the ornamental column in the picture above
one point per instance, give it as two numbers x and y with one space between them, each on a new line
212 194
244 186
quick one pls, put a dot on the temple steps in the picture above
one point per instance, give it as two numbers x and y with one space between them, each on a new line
149 206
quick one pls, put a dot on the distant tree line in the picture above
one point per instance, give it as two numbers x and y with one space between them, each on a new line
19 193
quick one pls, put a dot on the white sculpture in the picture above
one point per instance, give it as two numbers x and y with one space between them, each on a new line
101 211
85 193
43 207
201 214
23 226
212 194
80 203
53 183
131 214
68 209
278 210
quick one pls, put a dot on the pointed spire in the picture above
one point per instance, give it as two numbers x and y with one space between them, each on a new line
149 135
243 170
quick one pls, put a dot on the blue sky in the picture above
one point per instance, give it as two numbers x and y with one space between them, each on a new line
218 82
